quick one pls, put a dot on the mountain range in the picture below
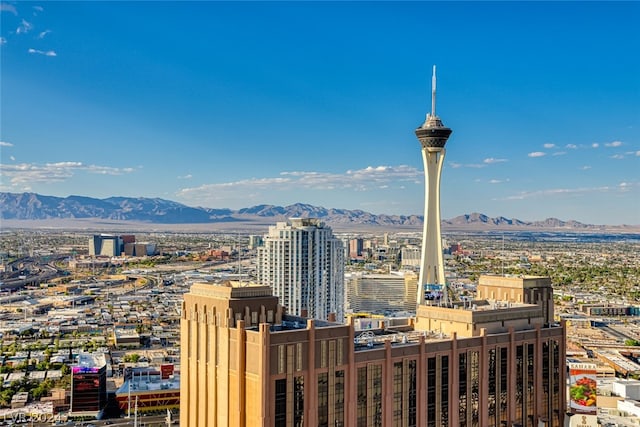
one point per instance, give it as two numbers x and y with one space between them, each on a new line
32 206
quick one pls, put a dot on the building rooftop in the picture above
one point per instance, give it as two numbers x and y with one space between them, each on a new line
519 281
149 382
292 323
122 333
478 309
91 360
376 338
619 360
229 290
486 305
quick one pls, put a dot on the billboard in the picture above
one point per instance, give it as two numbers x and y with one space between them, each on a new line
433 292
84 370
582 388
166 371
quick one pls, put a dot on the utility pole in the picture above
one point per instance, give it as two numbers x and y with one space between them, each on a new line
135 414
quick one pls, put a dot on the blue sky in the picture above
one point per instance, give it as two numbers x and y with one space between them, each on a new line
237 104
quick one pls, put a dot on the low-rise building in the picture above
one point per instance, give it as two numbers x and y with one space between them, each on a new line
19 400
128 338
629 389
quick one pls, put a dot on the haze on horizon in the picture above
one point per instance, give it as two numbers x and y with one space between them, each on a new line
235 104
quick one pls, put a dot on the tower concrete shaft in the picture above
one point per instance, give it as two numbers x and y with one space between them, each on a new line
433 136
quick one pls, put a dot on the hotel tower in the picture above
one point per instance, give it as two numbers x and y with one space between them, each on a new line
433 136
303 263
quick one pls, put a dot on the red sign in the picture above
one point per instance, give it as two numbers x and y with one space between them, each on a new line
166 371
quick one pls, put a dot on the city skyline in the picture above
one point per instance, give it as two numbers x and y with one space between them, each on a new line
230 105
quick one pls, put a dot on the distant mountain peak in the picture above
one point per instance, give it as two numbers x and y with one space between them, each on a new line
32 206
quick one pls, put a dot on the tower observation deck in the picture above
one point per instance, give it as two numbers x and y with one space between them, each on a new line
433 136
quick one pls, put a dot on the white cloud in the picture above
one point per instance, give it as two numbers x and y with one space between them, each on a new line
42 52
595 145
3 41
617 156
5 144
369 178
5 7
106 170
585 167
571 146
38 8
638 153
537 154
188 176
43 34
24 173
496 181
29 173
65 164
492 160
24 27
456 165
558 192
549 145
624 187
13 159
384 173
613 144
559 153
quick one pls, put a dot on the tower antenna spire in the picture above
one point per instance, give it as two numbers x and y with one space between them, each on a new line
433 92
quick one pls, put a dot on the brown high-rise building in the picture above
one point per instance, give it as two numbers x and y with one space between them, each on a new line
88 386
356 247
491 362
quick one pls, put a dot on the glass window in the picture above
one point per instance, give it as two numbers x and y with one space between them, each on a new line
444 395
397 394
412 401
323 400
519 384
546 370
362 397
504 385
556 382
431 392
474 376
493 387
462 388
298 401
339 398
530 396
376 396
281 403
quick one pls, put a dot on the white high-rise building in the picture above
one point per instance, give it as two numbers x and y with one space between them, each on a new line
303 262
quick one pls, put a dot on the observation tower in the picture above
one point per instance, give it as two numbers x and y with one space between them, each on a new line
433 136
